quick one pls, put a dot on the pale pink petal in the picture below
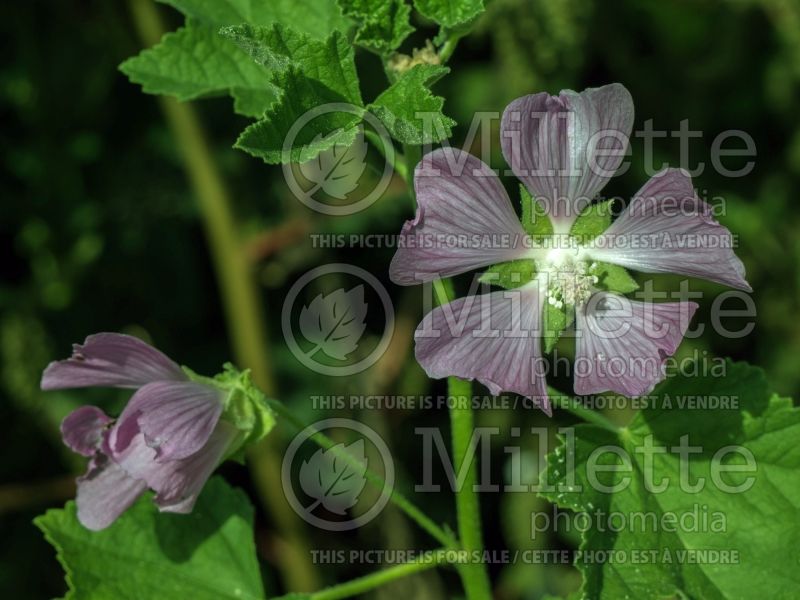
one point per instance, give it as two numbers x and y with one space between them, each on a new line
566 147
104 493
82 429
622 344
113 360
176 418
494 338
464 221
177 483
668 229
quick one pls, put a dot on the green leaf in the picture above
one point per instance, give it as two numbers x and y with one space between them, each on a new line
327 64
382 24
398 107
299 96
195 61
593 221
554 321
613 278
758 524
450 13
308 73
535 221
510 275
208 554
317 18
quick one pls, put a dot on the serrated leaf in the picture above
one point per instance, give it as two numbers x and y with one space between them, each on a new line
450 13
309 73
195 61
614 278
334 323
332 482
206 555
759 523
336 171
593 221
317 18
399 107
535 221
382 24
510 275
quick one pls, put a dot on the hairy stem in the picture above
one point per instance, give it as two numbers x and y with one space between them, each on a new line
240 298
473 572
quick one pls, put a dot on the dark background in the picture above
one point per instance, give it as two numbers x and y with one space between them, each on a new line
99 230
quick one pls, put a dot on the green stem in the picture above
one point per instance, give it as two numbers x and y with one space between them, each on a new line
240 298
449 47
427 561
473 572
574 406
403 503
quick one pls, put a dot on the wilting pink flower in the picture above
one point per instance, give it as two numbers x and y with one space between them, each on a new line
564 148
169 438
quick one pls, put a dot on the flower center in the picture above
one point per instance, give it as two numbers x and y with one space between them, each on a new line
569 278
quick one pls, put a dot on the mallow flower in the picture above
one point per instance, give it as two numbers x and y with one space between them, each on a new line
564 149
175 430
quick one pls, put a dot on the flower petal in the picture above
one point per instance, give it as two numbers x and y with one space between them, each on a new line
110 359
668 229
177 483
82 429
176 418
622 343
494 338
104 493
566 147
464 220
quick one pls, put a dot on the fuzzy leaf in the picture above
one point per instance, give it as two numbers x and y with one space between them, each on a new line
593 221
754 527
382 24
510 275
554 321
535 221
399 105
450 13
614 278
195 61
317 18
309 73
209 554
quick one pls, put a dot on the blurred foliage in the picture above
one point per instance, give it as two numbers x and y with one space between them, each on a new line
98 230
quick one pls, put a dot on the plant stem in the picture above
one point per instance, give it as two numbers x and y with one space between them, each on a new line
425 522
427 561
473 572
574 406
449 47
240 298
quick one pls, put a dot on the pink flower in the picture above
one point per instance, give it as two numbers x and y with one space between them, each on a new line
170 437
564 148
